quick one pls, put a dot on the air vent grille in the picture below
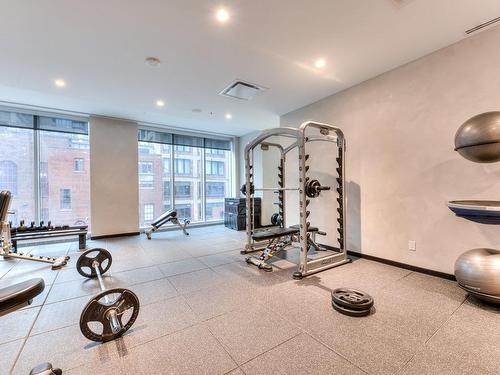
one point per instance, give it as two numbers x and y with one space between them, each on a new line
242 90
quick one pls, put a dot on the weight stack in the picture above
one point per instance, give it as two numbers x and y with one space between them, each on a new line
235 213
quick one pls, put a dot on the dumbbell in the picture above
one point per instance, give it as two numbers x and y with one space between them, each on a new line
109 306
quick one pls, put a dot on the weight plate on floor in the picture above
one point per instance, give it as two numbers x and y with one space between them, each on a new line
97 309
349 312
352 299
86 260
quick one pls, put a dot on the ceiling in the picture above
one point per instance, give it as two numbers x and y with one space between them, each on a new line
99 49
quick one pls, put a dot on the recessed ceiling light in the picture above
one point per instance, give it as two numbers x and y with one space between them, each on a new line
160 103
222 15
153 61
229 116
320 63
60 83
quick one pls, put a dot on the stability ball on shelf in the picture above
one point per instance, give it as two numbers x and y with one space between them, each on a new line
478 272
478 139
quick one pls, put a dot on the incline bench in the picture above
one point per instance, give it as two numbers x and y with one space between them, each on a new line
278 239
168 217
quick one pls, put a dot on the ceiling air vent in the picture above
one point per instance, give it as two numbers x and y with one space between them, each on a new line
242 90
482 26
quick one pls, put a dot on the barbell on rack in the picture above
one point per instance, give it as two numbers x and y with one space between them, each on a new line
313 189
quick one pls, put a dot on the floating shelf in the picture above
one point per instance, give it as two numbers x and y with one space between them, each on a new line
486 212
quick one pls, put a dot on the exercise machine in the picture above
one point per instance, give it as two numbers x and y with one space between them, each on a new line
308 188
168 217
6 249
115 309
20 295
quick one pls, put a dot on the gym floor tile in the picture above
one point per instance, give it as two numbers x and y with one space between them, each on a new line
73 289
65 348
215 260
160 319
249 332
59 315
413 311
191 351
17 324
9 353
196 280
220 299
154 291
314 358
370 344
182 266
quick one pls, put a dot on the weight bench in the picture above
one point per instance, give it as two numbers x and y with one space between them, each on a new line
19 295
279 239
168 217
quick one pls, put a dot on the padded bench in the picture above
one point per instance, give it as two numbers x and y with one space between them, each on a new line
279 232
20 294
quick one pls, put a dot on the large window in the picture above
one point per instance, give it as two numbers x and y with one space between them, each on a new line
218 181
154 180
190 174
38 158
64 196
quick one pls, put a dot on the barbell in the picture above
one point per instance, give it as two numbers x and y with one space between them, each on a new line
114 310
312 188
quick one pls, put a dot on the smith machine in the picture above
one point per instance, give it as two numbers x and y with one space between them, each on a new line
276 239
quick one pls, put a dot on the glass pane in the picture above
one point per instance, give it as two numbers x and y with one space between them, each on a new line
154 181
63 125
16 119
64 178
17 172
218 182
188 181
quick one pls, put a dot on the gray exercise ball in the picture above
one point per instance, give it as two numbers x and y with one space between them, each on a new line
478 139
478 272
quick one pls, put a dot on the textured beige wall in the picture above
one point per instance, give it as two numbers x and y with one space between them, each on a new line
401 167
113 177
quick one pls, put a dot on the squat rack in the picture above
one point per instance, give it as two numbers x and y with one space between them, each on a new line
328 133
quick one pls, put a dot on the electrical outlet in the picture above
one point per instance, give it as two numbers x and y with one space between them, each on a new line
412 245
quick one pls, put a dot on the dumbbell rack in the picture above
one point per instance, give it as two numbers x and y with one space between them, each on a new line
328 133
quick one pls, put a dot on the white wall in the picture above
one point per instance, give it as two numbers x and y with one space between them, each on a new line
401 167
114 193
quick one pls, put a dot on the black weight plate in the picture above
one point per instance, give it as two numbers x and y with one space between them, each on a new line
349 312
95 311
352 299
85 261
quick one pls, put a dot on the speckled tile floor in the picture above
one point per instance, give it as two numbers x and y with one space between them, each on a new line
205 311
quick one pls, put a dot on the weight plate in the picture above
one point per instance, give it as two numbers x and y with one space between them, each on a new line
352 299
97 309
102 257
349 312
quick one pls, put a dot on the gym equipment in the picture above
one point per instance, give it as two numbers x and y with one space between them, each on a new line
478 272
47 231
168 217
478 139
6 245
17 296
308 188
276 219
352 299
278 239
312 189
486 212
108 307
